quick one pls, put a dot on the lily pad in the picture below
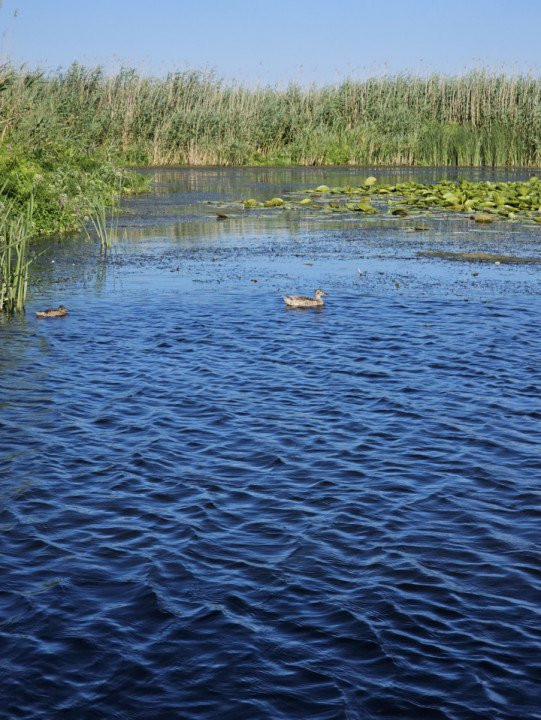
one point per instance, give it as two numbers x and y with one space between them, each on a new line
486 201
483 218
274 202
362 207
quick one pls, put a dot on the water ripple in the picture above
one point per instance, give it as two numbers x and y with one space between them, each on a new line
219 509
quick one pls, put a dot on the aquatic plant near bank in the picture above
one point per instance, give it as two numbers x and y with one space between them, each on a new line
15 232
105 228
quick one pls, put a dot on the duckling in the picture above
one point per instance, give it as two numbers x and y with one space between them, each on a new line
60 311
301 301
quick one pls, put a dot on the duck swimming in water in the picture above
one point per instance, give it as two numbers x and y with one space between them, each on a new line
301 301
60 311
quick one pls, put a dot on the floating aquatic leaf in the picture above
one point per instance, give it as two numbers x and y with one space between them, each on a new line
250 203
361 207
487 201
366 208
370 181
483 218
451 198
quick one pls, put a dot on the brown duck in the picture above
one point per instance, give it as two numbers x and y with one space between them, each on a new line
301 301
60 311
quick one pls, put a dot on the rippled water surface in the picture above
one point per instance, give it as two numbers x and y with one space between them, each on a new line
215 507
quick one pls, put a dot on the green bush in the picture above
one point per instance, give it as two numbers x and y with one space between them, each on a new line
64 182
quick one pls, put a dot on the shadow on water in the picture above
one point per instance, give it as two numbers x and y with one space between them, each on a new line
216 507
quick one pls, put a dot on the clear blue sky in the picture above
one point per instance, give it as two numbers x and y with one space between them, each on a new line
274 41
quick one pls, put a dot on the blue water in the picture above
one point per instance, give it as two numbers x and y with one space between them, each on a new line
215 507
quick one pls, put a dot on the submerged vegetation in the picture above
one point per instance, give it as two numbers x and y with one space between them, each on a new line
195 118
481 257
485 202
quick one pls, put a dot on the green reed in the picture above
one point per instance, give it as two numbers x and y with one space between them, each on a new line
102 229
195 118
15 232
103 218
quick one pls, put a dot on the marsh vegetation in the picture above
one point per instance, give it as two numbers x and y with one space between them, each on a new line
63 178
66 138
193 117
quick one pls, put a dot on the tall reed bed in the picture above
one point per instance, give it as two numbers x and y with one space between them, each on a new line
194 118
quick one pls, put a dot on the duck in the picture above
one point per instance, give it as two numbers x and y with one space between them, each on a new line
60 311
301 301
